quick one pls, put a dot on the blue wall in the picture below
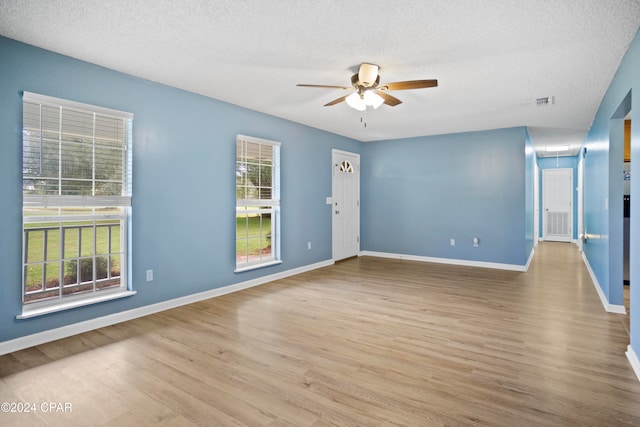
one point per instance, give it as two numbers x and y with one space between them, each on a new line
603 187
183 183
418 193
566 162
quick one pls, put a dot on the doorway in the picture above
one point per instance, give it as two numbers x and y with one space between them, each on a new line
626 224
345 204
616 244
557 218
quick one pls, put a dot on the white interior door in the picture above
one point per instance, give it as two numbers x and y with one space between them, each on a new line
557 218
345 204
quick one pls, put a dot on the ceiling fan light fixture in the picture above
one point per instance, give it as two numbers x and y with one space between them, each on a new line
355 101
373 99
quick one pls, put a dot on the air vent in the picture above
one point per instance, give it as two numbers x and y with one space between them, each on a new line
541 102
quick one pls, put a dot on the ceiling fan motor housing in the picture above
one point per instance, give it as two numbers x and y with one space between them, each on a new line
367 74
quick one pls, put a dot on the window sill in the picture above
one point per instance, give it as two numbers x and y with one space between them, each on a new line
256 266
36 309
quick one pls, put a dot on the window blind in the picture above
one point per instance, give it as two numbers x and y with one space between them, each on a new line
257 160
72 150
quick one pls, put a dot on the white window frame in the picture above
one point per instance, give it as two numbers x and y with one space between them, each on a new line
90 213
258 206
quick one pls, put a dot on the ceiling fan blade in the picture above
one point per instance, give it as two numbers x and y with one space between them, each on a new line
388 99
326 86
409 84
336 101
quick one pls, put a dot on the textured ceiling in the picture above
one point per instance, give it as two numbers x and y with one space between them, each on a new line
492 58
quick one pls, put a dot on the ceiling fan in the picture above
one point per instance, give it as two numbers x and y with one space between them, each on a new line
367 90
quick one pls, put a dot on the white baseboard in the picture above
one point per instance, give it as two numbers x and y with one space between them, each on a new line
100 322
533 252
462 262
633 359
611 308
574 241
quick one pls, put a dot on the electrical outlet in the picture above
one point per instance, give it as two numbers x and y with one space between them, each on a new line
476 242
149 275
452 242
308 245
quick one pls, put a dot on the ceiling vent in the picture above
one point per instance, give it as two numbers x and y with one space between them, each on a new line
541 102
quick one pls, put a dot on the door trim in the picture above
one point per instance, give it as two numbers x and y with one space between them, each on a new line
335 152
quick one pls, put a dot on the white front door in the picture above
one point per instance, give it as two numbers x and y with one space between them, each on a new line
345 204
557 194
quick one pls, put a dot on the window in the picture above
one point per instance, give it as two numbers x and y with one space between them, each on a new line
346 167
76 183
257 202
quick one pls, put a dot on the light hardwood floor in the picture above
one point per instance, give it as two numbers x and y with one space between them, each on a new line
368 342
